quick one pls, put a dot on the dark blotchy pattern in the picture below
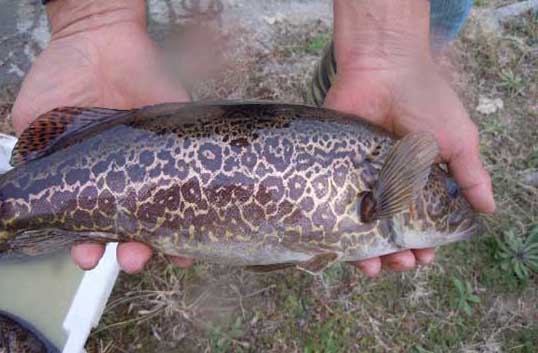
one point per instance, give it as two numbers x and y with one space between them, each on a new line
247 183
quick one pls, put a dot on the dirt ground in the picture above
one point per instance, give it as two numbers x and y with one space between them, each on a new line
472 299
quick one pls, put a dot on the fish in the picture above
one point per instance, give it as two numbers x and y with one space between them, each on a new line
262 185
17 336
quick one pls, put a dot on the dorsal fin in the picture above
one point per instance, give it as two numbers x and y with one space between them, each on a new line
44 132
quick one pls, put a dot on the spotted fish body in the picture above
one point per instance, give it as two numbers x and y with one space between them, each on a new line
236 183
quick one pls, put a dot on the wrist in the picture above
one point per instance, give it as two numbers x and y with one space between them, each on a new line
68 17
377 34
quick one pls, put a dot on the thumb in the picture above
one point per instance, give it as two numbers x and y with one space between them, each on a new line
467 168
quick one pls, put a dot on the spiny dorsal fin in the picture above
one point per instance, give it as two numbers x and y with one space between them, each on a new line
402 177
36 141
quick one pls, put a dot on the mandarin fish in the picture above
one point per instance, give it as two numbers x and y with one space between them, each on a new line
256 184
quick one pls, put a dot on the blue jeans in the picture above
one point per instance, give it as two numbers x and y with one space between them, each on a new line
446 20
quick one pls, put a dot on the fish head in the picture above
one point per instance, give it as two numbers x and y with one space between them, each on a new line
439 215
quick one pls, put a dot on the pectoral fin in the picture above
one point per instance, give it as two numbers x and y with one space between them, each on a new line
402 177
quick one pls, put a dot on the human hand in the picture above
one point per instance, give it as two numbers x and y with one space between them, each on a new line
386 75
104 60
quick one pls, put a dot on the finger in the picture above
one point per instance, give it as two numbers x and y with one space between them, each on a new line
183 262
401 261
133 256
424 256
86 256
474 180
370 267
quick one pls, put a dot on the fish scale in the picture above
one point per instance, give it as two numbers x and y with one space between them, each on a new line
241 183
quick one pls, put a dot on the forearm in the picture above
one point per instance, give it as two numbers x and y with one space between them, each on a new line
368 32
69 17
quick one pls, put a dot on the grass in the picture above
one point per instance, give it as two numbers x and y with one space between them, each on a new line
464 298
524 340
316 44
467 301
512 82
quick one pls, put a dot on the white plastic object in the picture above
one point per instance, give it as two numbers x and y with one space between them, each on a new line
7 142
90 300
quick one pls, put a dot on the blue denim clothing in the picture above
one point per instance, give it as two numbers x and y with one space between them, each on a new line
446 20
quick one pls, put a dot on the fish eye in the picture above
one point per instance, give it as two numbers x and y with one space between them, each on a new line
367 207
452 188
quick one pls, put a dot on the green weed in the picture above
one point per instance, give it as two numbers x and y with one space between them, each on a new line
465 299
523 341
221 339
518 254
328 337
511 82
317 43
419 349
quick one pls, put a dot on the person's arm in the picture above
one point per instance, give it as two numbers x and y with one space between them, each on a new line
385 73
99 55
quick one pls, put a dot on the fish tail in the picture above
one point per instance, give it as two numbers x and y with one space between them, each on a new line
322 78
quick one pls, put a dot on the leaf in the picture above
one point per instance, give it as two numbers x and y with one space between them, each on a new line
533 265
521 270
469 287
531 248
503 255
459 286
533 233
467 309
473 299
502 245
